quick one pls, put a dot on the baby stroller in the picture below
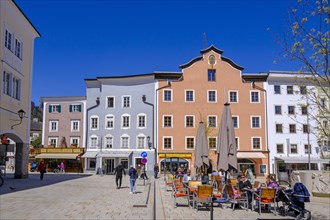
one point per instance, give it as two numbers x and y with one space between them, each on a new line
293 200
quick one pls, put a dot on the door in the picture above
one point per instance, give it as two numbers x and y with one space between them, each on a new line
110 166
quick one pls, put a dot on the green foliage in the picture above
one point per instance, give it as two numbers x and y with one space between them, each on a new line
36 142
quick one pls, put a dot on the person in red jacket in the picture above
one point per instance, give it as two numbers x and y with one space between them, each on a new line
42 169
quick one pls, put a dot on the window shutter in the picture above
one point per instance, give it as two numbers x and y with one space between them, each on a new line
79 108
50 108
70 108
59 108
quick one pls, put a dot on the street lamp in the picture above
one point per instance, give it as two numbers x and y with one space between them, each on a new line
21 114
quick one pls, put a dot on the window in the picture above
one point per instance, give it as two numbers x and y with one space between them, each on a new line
305 128
278 109
256 143
91 163
190 143
167 95
255 122
110 102
303 90
109 121
53 126
125 121
325 124
235 121
16 88
141 142
292 128
74 125
94 122
75 108
167 121
189 96
74 141
255 97
304 110
212 96
263 168
126 102
212 143
293 148
141 121
52 141
277 89
211 75
124 142
306 146
8 40
323 103
212 59
108 142
291 110
233 97
237 142
212 121
6 83
279 148
54 108
18 48
93 142
190 122
167 143
289 90
279 128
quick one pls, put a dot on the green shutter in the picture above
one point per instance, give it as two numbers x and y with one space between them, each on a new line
49 108
59 108
70 108
79 108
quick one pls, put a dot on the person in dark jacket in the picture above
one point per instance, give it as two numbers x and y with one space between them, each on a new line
132 172
245 186
119 171
42 169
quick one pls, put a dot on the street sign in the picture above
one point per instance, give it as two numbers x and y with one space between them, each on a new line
144 160
144 154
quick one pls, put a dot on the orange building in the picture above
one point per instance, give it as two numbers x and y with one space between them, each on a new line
207 82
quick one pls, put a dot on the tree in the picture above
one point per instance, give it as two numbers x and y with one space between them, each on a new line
307 42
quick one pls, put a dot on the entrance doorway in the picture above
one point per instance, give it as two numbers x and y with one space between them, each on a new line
245 164
171 165
110 166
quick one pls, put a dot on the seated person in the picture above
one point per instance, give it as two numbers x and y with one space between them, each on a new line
187 177
271 182
245 185
179 173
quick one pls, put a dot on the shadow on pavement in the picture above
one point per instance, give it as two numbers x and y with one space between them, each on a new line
33 181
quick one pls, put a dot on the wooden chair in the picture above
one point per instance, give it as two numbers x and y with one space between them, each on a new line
203 195
267 197
168 182
256 185
233 182
240 198
216 180
192 187
218 192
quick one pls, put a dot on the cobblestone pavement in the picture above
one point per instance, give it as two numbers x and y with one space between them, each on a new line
80 196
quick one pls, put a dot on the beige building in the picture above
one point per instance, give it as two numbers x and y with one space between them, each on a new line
17 36
208 82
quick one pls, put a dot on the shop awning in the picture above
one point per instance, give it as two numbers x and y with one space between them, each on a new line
57 156
114 154
89 154
302 160
250 155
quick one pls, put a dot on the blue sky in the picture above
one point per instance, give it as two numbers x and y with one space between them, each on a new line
89 38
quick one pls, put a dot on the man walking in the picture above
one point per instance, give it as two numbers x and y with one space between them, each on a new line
132 178
119 175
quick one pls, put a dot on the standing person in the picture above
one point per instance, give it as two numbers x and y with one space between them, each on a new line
42 169
62 167
132 178
119 175
143 173
156 170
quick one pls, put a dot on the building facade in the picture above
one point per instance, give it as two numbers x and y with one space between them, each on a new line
17 36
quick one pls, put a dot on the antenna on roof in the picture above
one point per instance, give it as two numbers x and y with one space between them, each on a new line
205 41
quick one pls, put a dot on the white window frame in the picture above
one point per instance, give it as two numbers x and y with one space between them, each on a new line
74 138
282 148
280 90
51 126
144 144
50 141
260 168
216 121
108 137
124 103
208 142
123 121
236 116
254 91
186 142
73 126
275 109
238 142
138 121
9 40
122 141
19 51
171 116
215 96
291 144
168 90
259 119
167 137
185 121
97 122
107 101
91 146
185 95
111 119
237 99
252 143
16 88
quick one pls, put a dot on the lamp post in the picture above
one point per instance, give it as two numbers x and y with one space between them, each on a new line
21 114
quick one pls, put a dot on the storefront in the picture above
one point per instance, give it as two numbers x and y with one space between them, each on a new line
169 163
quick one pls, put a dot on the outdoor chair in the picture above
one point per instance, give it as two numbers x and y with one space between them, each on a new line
203 196
192 187
267 197
233 182
237 197
216 180
179 191
168 182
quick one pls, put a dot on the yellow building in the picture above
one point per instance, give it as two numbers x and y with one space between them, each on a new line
17 36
